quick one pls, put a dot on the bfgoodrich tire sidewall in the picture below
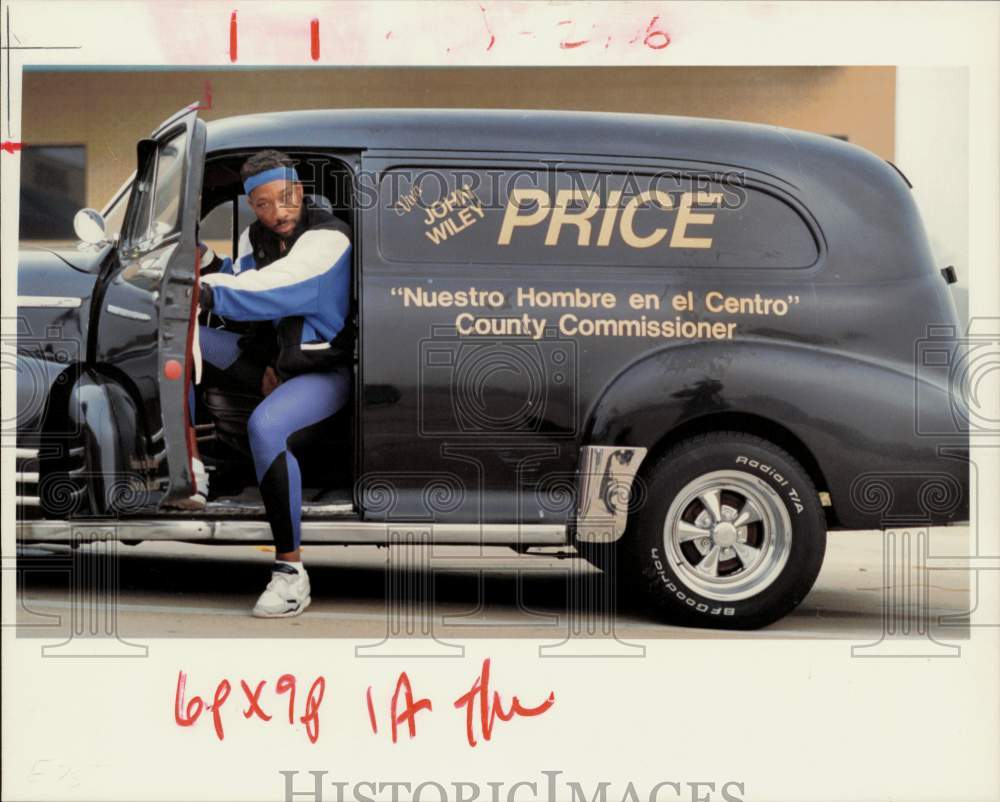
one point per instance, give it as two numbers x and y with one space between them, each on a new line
666 590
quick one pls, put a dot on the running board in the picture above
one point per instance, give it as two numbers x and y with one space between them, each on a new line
313 532
217 509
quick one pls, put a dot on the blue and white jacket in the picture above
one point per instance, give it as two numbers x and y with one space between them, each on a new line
305 291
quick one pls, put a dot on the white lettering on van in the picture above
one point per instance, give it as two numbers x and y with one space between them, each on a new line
452 214
685 218
527 208
512 217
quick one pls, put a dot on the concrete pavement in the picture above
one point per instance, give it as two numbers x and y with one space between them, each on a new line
186 590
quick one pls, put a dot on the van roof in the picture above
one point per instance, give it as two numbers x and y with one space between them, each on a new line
763 148
864 209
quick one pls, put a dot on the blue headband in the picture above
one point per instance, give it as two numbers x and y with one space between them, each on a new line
266 177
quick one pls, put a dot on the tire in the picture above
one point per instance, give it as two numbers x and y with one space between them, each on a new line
730 577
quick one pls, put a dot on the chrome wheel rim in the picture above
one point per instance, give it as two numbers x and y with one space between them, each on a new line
728 535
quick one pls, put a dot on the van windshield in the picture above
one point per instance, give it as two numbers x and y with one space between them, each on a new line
114 212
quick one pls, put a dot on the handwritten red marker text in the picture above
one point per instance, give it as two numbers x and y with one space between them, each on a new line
484 707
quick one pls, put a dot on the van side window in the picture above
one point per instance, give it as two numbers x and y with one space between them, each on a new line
573 217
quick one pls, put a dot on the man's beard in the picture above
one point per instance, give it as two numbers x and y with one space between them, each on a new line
293 224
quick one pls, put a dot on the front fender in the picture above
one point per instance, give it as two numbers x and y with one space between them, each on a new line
104 470
857 419
39 381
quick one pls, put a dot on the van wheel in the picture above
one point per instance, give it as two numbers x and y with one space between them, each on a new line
732 534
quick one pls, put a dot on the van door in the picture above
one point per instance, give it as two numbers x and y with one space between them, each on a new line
144 312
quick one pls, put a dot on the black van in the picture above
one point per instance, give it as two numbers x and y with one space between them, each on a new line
686 347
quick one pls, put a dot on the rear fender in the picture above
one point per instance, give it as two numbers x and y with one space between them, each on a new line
855 419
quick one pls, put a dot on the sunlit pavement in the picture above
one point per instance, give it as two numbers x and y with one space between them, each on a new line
452 593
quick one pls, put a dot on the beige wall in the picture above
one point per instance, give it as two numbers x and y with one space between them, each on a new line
109 111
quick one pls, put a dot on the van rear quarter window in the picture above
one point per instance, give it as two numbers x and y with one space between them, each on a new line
523 216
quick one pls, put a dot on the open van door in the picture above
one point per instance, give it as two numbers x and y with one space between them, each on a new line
146 315
179 320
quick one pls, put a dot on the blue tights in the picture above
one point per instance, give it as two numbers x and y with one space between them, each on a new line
297 404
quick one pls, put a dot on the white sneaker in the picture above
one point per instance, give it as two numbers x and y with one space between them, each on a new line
199 499
287 593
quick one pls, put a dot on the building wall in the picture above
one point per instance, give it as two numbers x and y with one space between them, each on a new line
932 148
108 111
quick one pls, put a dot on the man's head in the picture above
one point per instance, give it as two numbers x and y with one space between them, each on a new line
273 190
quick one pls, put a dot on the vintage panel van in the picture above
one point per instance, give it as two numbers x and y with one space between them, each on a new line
686 348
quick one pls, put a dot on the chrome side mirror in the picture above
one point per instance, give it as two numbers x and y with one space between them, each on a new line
89 226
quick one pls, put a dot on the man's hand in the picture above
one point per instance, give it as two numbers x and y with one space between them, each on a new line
269 382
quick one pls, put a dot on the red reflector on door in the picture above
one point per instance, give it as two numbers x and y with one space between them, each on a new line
172 369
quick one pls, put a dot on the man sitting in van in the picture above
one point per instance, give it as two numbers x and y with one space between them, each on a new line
293 269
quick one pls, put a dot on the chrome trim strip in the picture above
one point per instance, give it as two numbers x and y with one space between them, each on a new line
127 313
605 487
314 346
48 301
244 511
314 532
314 509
